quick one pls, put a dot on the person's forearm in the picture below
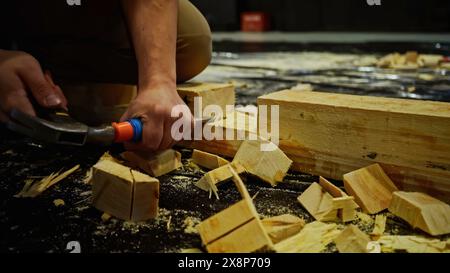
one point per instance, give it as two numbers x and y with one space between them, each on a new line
153 28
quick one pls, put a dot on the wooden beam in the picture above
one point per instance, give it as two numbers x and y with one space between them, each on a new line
422 211
332 134
124 193
239 125
371 187
155 165
211 93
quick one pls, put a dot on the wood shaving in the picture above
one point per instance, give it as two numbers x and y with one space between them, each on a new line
33 189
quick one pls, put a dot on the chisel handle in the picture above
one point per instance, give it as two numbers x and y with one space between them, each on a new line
130 130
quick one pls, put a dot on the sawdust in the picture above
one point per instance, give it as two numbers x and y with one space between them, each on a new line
190 224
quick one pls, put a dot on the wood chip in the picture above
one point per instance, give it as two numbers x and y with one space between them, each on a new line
413 244
282 227
58 202
380 225
352 240
313 238
33 189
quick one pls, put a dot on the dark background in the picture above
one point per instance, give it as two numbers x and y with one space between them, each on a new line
328 15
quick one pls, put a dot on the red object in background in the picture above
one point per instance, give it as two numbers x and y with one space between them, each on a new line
254 21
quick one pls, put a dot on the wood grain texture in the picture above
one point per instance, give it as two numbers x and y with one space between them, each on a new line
145 197
219 94
324 207
270 166
156 165
237 228
282 226
208 160
124 193
332 134
112 189
352 240
371 187
422 211
234 129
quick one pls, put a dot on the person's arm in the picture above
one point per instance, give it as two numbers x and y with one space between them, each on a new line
152 25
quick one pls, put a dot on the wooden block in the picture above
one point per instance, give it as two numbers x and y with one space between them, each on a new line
124 193
213 177
230 218
347 211
352 240
270 166
282 226
211 93
379 227
324 207
318 203
371 187
422 211
112 189
332 134
237 228
250 237
235 128
145 197
331 188
346 208
207 160
156 165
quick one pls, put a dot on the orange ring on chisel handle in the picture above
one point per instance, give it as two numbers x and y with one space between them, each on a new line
123 131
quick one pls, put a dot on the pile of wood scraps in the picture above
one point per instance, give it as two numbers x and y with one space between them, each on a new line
410 60
385 151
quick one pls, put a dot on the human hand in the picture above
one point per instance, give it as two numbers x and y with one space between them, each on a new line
154 106
21 76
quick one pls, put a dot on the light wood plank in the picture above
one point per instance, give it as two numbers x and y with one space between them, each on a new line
332 134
